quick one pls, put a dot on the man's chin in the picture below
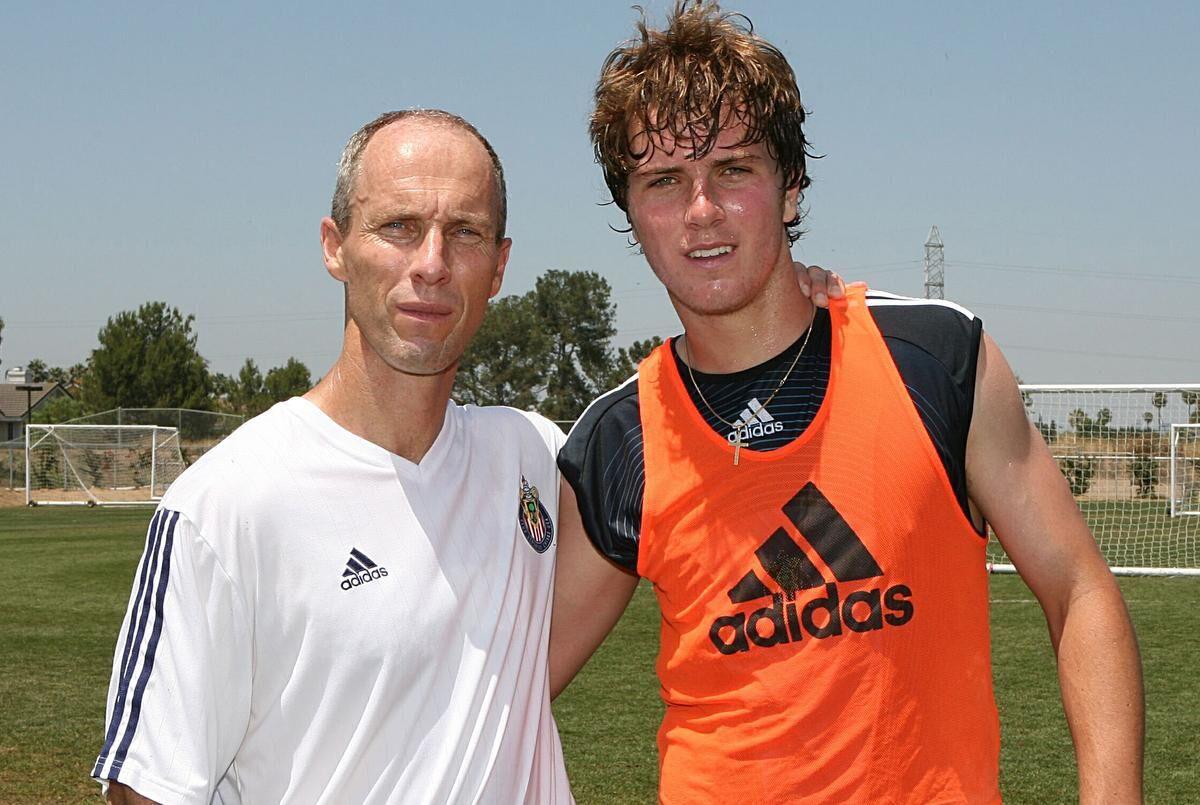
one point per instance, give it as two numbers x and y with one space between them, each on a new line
709 302
420 358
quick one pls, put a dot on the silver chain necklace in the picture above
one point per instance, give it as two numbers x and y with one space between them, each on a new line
739 427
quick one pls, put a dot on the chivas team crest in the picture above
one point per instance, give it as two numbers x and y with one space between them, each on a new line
533 518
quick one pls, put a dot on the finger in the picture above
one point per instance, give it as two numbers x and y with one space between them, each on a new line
802 277
819 278
837 288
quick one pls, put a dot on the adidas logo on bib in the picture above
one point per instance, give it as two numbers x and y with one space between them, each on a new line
786 619
755 421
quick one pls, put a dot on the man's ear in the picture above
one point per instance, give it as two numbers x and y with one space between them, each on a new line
331 249
791 203
502 253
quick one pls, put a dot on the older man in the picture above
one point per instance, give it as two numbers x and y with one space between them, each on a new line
348 599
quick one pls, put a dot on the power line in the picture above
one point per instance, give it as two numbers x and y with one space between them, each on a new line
1093 354
1116 316
1079 272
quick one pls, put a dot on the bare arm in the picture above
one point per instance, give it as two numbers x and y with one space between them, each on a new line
590 593
119 794
1015 483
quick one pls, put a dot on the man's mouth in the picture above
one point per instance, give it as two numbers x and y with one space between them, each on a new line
716 251
424 311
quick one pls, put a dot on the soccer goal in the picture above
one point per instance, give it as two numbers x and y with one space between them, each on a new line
96 465
1185 470
1131 455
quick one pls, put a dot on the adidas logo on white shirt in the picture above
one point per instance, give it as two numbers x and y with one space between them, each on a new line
360 570
756 421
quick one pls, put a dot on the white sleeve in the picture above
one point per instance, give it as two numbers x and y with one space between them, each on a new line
179 698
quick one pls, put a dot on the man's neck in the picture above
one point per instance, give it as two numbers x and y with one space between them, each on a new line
402 413
730 342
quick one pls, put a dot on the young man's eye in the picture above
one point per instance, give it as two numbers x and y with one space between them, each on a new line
662 181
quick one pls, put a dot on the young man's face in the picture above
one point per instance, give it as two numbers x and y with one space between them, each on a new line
712 228
421 257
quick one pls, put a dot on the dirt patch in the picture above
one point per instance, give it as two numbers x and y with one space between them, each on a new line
16 497
11 497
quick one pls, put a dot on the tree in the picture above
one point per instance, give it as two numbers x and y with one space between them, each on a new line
148 358
549 349
1159 401
36 371
506 361
62 408
290 380
250 393
576 311
1190 399
1080 422
1147 418
629 357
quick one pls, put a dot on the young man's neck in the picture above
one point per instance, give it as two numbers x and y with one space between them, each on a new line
402 413
769 324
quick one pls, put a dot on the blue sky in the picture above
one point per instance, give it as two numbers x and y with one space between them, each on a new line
186 152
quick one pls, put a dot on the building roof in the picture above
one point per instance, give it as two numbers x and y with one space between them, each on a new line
12 402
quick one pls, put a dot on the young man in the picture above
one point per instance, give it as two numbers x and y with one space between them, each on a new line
348 599
807 491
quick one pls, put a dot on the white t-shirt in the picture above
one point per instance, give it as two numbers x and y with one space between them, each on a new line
318 620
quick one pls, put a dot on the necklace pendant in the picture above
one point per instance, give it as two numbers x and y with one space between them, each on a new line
737 447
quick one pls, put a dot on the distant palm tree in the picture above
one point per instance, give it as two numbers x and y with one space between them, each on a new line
1159 401
1190 398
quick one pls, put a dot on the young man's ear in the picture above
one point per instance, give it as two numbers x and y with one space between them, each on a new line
791 202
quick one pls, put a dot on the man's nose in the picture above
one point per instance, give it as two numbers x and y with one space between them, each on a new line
431 265
703 208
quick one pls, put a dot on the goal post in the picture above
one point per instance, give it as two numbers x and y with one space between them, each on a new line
1185 469
1131 457
96 465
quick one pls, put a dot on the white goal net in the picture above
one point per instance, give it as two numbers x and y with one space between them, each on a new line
99 464
1131 455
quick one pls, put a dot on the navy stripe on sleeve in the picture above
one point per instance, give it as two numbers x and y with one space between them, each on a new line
152 586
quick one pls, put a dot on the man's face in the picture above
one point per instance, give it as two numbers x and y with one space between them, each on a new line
712 228
420 259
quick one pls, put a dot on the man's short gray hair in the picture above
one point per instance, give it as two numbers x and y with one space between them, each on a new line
351 162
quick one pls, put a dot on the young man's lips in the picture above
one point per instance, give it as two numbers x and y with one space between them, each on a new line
709 252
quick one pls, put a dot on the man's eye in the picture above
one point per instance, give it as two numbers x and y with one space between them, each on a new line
396 226
466 232
662 181
735 169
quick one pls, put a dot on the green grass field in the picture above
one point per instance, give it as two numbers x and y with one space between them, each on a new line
66 576
1136 533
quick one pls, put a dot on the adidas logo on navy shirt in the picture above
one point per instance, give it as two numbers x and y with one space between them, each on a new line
755 421
360 570
791 569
